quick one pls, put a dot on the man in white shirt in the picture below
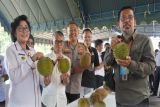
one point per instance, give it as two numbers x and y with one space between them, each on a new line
99 70
3 78
54 94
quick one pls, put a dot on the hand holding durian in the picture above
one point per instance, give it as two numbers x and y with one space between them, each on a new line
65 78
37 56
120 51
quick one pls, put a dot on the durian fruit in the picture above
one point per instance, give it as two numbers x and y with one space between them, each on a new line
63 65
83 102
45 66
85 60
95 97
99 104
102 92
121 51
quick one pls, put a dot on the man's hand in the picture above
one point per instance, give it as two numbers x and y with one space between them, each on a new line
124 63
47 80
65 78
115 41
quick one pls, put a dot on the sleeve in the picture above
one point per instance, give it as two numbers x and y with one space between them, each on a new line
146 65
96 60
109 58
17 71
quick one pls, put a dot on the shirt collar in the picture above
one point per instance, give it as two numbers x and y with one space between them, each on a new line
132 38
18 46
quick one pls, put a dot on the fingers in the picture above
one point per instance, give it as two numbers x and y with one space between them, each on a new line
65 78
124 63
37 56
114 41
47 80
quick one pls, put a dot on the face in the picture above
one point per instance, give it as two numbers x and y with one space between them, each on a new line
59 42
73 32
107 46
30 43
127 21
87 37
100 48
22 32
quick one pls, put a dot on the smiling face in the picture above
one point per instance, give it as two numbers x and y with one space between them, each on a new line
59 42
73 32
87 37
127 21
22 32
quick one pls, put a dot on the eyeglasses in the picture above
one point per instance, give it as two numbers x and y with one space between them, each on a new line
58 41
125 18
23 29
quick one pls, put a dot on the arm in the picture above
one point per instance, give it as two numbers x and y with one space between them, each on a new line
145 66
109 59
17 71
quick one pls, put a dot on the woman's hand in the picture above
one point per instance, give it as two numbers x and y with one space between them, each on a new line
37 56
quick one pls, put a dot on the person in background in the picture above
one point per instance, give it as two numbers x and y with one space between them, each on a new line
109 74
74 50
88 78
157 72
131 74
99 70
3 78
30 41
54 94
24 79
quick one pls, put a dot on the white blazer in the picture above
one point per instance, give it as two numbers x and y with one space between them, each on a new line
24 79
54 93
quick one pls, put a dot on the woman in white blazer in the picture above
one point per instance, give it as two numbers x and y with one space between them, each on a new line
24 79
54 94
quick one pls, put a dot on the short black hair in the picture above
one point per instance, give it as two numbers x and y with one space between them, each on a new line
16 23
98 42
73 22
87 30
124 8
31 37
106 44
58 33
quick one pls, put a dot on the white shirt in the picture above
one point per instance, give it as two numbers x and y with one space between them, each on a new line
54 93
158 58
2 84
24 79
100 71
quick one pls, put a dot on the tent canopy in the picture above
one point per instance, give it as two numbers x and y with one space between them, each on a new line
48 15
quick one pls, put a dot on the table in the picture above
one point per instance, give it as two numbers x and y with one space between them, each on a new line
109 100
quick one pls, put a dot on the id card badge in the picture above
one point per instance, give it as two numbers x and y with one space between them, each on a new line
124 73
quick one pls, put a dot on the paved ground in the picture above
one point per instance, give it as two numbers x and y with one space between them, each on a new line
154 101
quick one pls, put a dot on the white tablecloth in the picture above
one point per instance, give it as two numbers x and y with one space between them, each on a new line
109 100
